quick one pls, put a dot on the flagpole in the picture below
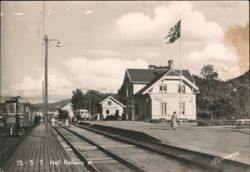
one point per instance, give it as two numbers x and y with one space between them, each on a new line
180 70
173 35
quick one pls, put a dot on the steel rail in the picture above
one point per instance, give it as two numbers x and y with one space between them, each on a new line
88 165
157 147
123 161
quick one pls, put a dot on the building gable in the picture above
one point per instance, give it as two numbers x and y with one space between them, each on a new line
112 99
66 107
172 74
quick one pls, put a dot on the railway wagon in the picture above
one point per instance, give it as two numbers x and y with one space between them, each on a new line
22 111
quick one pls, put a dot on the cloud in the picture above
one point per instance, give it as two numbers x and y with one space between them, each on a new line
103 52
88 12
203 40
140 26
78 72
31 88
151 54
18 14
222 58
101 74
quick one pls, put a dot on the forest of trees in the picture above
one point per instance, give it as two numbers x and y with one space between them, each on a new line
221 99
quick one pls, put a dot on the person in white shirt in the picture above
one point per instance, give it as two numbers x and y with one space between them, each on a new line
53 121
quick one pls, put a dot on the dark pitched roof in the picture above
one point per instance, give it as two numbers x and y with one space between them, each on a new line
144 75
148 75
152 82
187 74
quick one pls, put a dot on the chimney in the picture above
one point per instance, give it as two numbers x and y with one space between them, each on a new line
170 64
152 67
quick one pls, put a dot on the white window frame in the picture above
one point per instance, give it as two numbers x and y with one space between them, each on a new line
109 102
163 88
182 106
163 108
183 88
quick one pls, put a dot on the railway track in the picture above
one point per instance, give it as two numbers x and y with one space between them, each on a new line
95 157
202 160
108 154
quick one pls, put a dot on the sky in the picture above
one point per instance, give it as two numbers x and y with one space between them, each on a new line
101 39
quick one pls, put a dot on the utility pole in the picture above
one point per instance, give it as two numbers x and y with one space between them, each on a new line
43 92
46 80
46 41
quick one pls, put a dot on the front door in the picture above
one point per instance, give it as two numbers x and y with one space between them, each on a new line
117 112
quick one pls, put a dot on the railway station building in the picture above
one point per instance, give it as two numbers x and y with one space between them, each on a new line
156 92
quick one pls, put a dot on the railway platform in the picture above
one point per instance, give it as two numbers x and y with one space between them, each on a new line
41 150
226 142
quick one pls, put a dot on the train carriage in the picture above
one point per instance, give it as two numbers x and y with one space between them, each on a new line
23 112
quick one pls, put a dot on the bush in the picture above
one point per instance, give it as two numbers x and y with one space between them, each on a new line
154 120
203 114
216 122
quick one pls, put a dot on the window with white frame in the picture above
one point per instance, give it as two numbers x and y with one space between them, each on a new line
183 88
109 103
163 88
10 108
182 107
163 108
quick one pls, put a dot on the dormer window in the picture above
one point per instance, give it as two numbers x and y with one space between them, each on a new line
163 88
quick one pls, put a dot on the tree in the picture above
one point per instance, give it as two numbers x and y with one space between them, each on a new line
224 107
77 100
209 74
222 99
93 98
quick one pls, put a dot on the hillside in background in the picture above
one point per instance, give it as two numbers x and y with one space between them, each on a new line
242 79
54 105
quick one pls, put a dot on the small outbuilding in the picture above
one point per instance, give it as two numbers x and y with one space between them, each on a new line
111 106
67 107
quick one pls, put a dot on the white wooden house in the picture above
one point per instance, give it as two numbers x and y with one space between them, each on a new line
111 106
155 93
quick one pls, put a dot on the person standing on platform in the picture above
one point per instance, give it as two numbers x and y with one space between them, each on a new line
98 117
67 122
53 121
73 120
174 121
35 119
